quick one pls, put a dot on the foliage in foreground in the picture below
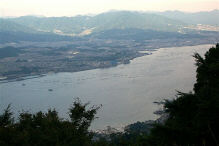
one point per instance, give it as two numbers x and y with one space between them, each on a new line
194 117
47 129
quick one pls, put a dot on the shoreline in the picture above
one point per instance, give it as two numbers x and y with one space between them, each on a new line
73 84
6 79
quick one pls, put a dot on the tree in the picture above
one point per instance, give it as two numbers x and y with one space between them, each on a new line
193 117
48 128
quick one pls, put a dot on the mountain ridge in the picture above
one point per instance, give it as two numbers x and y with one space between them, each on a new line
104 21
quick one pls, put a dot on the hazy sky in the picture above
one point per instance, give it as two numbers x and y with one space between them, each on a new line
75 7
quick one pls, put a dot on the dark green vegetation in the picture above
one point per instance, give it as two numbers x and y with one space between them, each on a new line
47 129
191 119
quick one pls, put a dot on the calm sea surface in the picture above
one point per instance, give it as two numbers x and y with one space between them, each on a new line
127 92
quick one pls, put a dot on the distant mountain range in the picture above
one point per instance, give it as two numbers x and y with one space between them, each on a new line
208 18
83 25
9 25
107 24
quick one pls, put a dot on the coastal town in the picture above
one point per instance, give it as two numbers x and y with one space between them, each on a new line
24 59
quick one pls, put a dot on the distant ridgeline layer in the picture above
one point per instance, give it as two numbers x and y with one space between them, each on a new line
47 28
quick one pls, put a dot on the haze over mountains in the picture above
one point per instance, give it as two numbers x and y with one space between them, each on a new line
208 18
104 21
169 21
